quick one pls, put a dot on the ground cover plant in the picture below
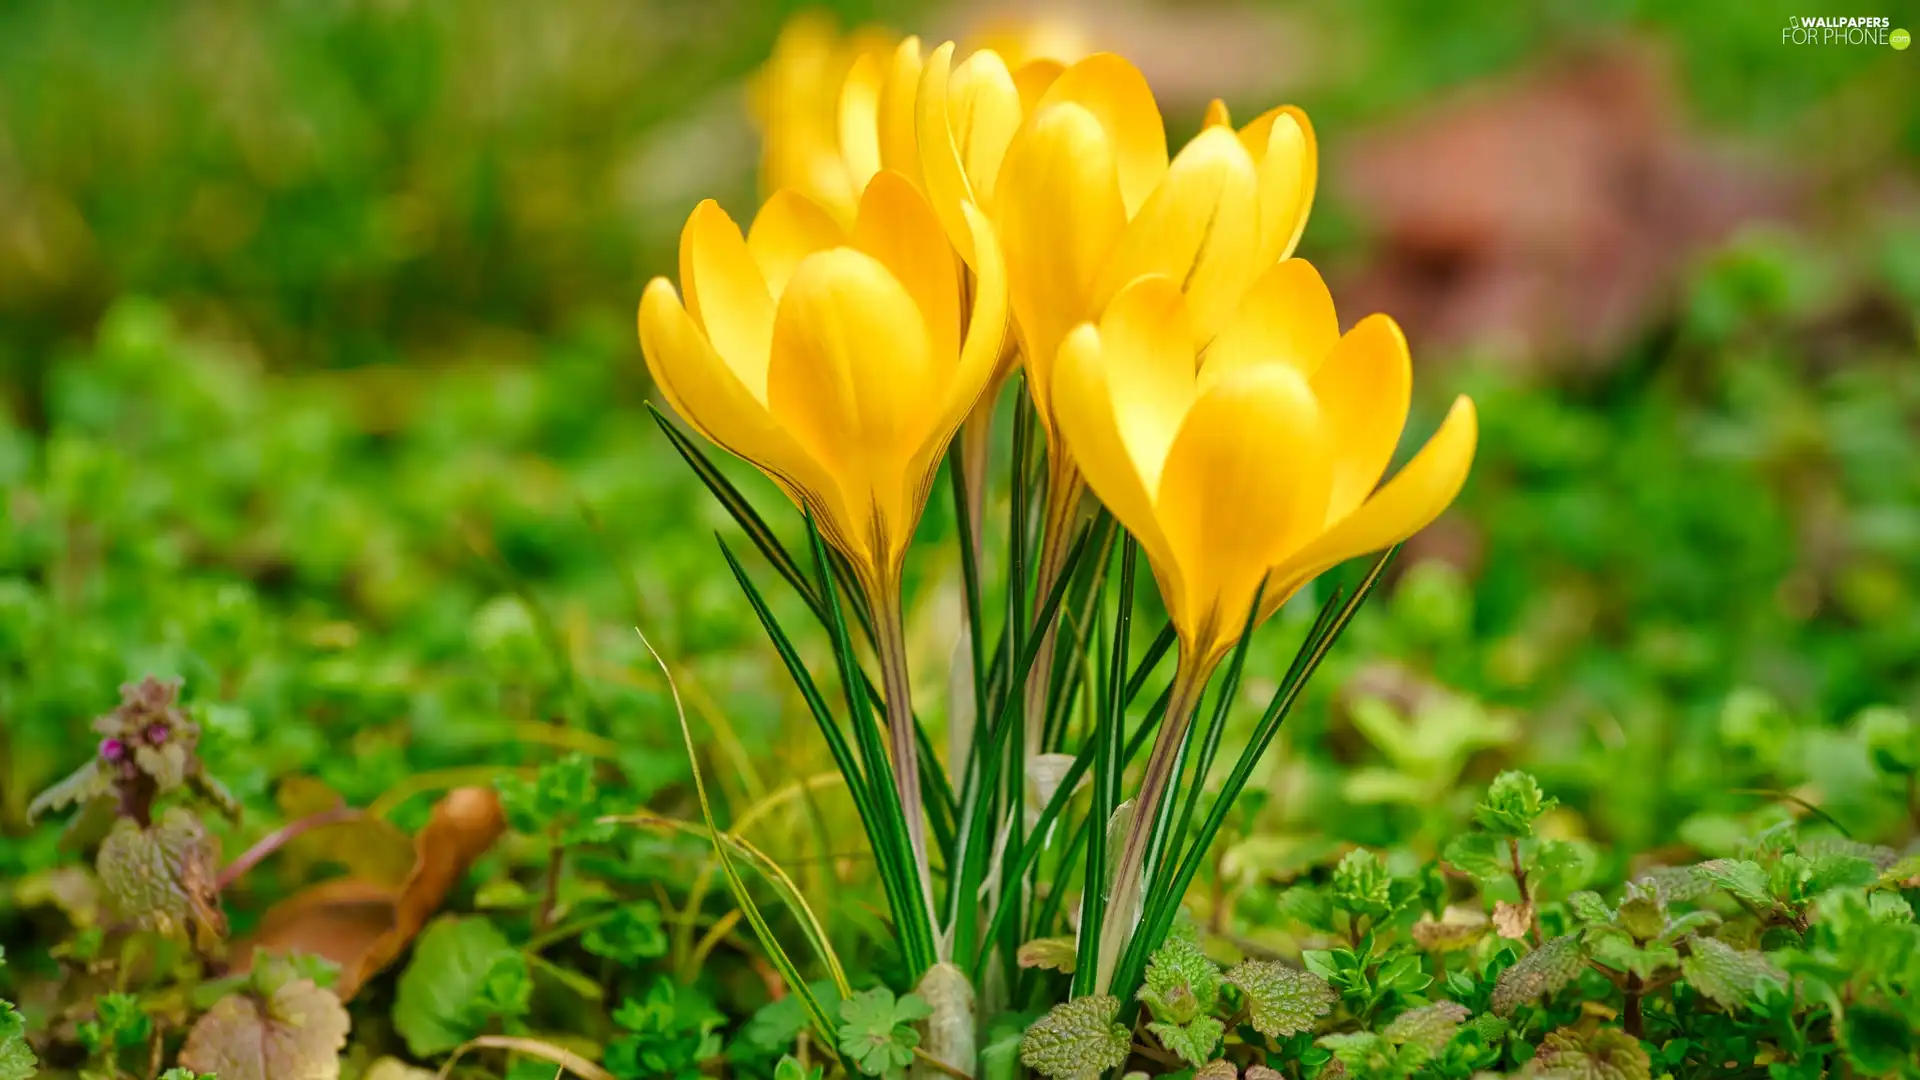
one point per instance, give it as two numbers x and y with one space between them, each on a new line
1033 675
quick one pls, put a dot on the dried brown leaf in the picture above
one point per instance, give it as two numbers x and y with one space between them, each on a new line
361 925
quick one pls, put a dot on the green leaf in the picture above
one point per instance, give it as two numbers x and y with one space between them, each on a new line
1892 738
633 933
1879 1041
296 1032
1642 917
1193 1041
1539 974
1514 802
669 1034
1362 885
462 975
1841 872
1589 908
1742 878
1181 983
1077 1040
1430 1027
1728 976
1282 1001
1606 1054
1361 1052
119 1023
17 1061
1051 954
876 1031
1621 953
1478 855
789 1068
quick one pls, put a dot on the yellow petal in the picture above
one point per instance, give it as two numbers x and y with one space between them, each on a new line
860 120
726 295
1199 228
1364 389
1057 210
1245 482
703 390
1147 341
1034 78
978 368
1217 115
1115 92
851 377
899 149
1286 317
897 227
1091 431
966 119
1408 503
788 228
984 112
1282 143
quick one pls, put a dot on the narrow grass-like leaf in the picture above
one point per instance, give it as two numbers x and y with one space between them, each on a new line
809 692
893 847
1165 903
777 955
1106 738
1216 727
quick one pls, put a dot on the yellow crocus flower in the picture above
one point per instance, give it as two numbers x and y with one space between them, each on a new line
1086 200
795 101
839 361
1257 458
1251 457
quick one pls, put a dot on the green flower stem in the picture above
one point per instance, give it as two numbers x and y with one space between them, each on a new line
890 646
1189 682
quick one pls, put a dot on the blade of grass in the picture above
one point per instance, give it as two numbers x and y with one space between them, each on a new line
744 899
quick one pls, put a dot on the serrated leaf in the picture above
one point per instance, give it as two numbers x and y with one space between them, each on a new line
1539 974
1514 802
1512 920
1224 1070
1282 1001
1077 1040
294 1033
1674 884
1642 917
1193 1041
1693 922
1360 1051
462 969
1429 1027
1740 877
1728 976
17 1061
1180 983
163 877
1622 953
1478 855
1490 1028
1606 1054
1051 954
1589 908
1841 871
1456 929
877 1032
1362 885
84 784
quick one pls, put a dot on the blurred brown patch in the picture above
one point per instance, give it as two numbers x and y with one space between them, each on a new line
363 925
1546 218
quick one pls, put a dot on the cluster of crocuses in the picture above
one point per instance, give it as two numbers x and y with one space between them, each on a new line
962 220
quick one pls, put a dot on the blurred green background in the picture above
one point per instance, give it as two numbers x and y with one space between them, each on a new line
319 387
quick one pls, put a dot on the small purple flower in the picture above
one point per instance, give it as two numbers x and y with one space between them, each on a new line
113 749
156 734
